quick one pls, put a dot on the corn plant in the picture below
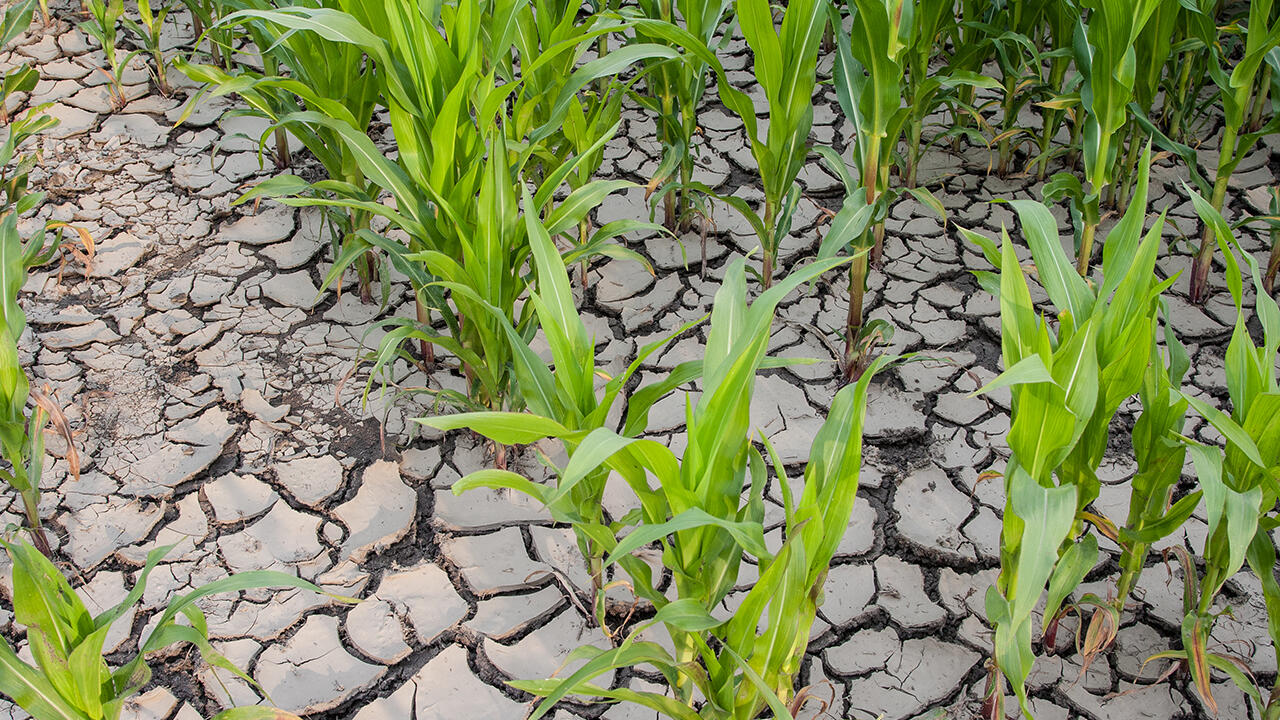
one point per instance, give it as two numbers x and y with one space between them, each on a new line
786 60
16 167
699 514
438 69
70 678
564 399
103 25
1236 90
147 30
1196 34
930 23
1238 481
1155 50
869 80
1160 454
22 438
550 40
1107 62
1067 383
330 80
568 121
674 89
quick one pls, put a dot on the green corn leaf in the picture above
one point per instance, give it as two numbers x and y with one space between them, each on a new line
1068 291
669 707
986 245
1170 523
1223 423
16 19
595 449
507 428
686 615
250 580
1074 564
569 213
29 689
780 711
627 655
502 479
1029 370
44 600
609 65
1208 464
750 536
1047 514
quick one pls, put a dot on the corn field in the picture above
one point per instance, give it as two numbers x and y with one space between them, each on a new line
692 359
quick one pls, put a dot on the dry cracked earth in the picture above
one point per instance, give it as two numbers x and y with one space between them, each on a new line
216 408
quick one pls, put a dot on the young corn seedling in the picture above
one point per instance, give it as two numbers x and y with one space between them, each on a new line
926 89
331 80
565 399
70 678
1067 381
1011 32
674 90
1235 92
1238 481
870 79
147 29
707 511
1105 57
22 437
103 25
786 60
850 228
1160 454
